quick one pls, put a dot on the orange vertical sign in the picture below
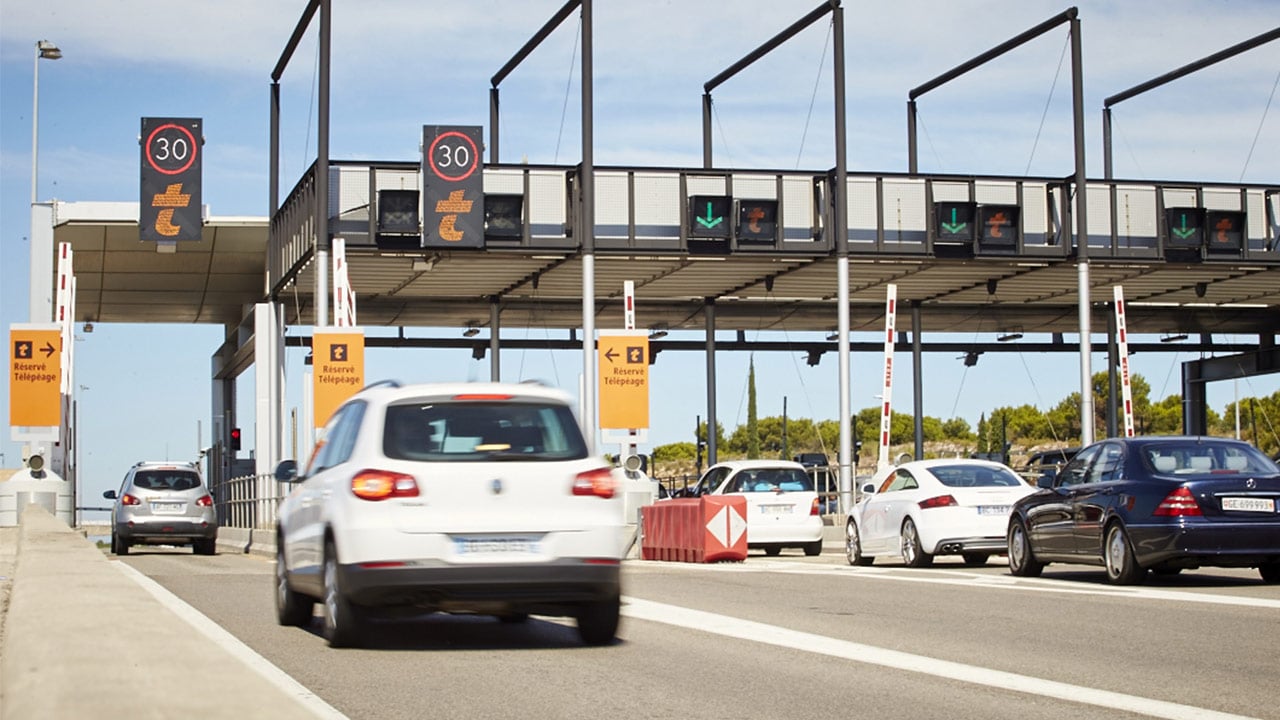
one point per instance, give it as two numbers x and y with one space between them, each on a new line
35 375
623 362
337 361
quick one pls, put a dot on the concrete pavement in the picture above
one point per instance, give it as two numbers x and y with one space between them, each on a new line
81 638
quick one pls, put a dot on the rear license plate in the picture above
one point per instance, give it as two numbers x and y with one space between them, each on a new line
775 509
994 509
1246 504
495 545
166 507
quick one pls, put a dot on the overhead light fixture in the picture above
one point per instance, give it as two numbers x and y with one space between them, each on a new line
88 326
971 358
833 335
471 331
1013 335
658 331
815 357
1177 337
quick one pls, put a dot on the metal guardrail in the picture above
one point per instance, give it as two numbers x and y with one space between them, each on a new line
248 502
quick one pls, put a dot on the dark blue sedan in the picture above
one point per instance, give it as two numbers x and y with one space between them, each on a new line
1157 503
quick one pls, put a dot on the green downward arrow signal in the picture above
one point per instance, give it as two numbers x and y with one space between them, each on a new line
710 220
1184 232
953 226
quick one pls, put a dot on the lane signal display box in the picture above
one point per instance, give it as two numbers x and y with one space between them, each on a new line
1185 228
999 229
758 221
709 216
954 221
1225 231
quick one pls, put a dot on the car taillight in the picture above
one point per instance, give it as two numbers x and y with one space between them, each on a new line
128 499
937 502
815 507
598 482
383 484
1179 503
205 501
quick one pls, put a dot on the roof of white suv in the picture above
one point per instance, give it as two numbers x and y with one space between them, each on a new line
390 390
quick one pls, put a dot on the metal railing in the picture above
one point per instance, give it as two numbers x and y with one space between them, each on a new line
248 502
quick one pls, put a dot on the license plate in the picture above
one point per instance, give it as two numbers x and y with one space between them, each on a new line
994 509
1246 504
495 545
775 509
166 507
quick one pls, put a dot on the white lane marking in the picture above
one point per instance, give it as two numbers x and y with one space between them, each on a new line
994 582
232 644
858 652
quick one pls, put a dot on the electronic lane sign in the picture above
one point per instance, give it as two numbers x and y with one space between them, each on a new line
998 228
1226 231
453 187
1186 227
758 221
170 197
955 222
709 216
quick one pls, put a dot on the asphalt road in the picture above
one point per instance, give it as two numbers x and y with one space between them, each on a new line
793 637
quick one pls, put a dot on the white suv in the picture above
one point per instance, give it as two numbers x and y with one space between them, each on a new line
470 498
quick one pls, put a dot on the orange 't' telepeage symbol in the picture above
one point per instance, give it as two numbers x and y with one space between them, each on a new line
995 222
1222 226
171 198
454 205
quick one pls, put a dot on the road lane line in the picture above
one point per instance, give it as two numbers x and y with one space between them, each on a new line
232 644
858 652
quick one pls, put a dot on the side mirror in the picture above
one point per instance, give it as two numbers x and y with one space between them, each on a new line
869 489
110 494
287 471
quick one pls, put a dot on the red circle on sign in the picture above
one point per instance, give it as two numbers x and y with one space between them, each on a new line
475 157
194 149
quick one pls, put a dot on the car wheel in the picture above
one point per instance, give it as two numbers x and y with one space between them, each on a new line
342 619
1122 568
853 545
598 621
292 608
113 542
975 558
773 550
205 547
814 548
912 553
1022 561
1270 573
122 546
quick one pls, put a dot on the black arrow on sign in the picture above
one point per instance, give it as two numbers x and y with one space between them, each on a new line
49 349
610 354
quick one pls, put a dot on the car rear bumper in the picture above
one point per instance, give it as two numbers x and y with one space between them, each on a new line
1206 543
537 588
957 546
768 533
160 529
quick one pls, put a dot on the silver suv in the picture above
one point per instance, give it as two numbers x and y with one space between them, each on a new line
163 503
457 498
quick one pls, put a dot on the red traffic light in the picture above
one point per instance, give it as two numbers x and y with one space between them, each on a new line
235 439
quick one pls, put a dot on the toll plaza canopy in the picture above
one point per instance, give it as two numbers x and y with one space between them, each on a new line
978 254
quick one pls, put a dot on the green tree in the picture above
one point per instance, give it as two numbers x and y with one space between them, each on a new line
753 428
957 429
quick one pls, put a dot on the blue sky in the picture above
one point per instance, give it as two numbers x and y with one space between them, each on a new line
401 64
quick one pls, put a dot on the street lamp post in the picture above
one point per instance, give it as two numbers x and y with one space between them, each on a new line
47 51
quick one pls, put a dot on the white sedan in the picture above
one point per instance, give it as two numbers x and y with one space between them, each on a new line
934 507
782 505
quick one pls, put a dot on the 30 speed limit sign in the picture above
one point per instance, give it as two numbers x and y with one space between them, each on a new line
453 187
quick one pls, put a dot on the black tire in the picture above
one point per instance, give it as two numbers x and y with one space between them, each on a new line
853 545
514 618
598 621
912 552
113 542
814 548
1117 555
122 546
773 550
1270 573
293 609
1022 559
343 621
207 546
974 559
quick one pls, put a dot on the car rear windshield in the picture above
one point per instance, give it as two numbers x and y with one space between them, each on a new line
482 431
975 476
1197 458
772 480
166 480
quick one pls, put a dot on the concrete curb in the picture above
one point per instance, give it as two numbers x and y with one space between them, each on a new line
82 639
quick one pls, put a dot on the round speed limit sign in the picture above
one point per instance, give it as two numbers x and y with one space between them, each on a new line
453 156
171 149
